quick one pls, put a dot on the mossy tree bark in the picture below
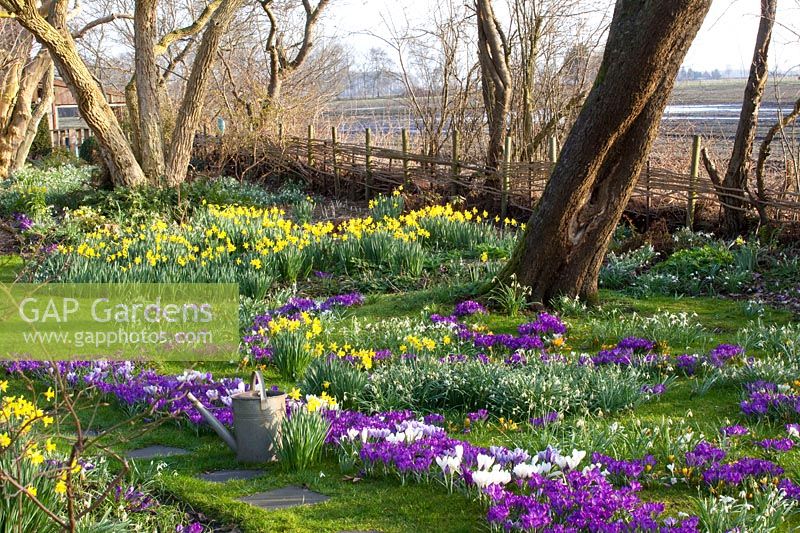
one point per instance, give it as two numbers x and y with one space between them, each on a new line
566 239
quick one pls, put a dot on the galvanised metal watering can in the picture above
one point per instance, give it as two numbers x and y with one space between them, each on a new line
257 418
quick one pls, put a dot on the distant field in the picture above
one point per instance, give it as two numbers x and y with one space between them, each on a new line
704 92
709 108
730 91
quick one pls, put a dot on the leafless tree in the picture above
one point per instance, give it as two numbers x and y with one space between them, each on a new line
733 187
494 56
284 59
28 74
555 45
440 74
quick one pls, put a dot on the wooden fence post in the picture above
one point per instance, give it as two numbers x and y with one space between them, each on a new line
505 178
552 150
406 174
455 168
368 163
335 163
310 146
695 173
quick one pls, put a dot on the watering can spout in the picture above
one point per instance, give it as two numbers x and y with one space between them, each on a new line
214 423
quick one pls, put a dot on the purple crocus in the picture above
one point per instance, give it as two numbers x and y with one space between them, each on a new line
23 221
468 307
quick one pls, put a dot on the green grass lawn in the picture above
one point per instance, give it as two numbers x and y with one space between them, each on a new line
10 265
384 504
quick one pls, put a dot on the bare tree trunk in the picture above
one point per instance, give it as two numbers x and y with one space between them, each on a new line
761 162
14 61
94 108
736 177
530 51
281 66
14 132
150 149
39 112
566 239
132 107
180 151
493 53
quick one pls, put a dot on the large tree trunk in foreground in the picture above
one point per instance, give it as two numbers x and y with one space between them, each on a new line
736 177
180 150
94 108
566 239
150 149
493 54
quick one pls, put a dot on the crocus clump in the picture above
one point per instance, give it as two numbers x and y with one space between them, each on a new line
23 221
523 491
769 400
139 389
778 445
718 357
734 431
739 471
623 470
468 307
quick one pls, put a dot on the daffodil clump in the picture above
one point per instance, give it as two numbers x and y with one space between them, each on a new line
256 246
304 430
292 342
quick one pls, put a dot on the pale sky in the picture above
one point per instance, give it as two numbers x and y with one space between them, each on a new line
725 41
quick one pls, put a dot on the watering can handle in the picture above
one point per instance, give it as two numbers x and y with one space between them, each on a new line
262 394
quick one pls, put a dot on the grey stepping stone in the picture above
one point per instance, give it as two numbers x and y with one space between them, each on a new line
154 452
221 476
290 496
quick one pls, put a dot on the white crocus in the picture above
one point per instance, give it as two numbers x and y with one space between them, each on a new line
485 461
525 470
575 459
495 476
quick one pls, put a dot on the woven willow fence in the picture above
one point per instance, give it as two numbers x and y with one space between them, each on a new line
362 170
